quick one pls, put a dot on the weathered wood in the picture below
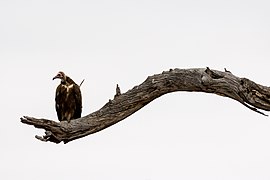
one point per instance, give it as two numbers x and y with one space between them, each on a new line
248 93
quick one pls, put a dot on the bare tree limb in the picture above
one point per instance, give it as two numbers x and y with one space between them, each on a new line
243 90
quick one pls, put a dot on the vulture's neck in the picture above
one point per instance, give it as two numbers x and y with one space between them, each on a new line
67 81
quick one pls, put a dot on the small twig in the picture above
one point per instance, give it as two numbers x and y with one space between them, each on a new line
254 109
81 82
227 70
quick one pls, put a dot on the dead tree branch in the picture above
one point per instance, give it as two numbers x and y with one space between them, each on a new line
243 90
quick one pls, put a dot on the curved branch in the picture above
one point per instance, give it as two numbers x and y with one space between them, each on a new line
248 93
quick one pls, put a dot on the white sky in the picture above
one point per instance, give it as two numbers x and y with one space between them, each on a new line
178 136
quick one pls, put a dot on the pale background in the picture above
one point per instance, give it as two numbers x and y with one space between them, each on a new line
177 136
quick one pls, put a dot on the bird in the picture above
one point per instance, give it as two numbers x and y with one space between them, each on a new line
68 98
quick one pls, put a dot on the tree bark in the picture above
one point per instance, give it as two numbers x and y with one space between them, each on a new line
243 90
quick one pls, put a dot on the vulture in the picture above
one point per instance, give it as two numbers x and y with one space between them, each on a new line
68 98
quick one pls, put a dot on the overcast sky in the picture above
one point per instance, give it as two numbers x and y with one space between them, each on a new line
178 136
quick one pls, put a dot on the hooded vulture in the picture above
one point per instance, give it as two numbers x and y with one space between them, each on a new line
68 98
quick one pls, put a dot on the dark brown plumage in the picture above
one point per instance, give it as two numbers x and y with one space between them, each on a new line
68 98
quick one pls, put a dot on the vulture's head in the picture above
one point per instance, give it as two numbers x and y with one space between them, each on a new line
60 75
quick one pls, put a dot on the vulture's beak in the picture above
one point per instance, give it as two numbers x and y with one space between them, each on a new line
55 77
